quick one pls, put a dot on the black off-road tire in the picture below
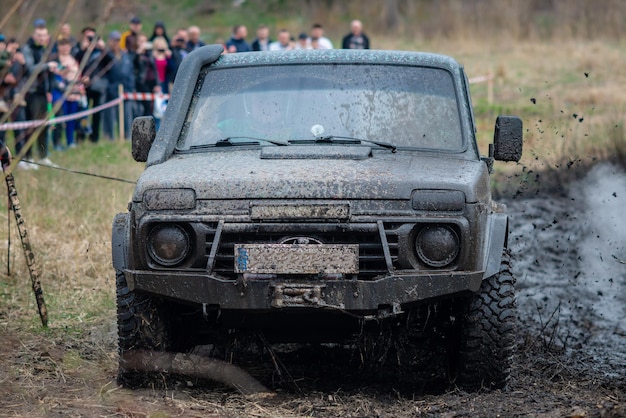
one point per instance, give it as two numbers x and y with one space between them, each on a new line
141 324
486 336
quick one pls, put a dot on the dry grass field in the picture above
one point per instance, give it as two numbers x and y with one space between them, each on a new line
570 97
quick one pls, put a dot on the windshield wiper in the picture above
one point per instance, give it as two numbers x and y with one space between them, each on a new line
228 142
333 139
254 141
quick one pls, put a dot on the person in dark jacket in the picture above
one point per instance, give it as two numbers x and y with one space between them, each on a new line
146 79
178 54
356 39
194 41
262 41
238 43
39 94
159 30
121 72
18 102
7 82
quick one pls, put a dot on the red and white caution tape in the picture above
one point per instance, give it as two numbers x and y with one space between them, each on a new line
480 79
84 112
144 96
53 121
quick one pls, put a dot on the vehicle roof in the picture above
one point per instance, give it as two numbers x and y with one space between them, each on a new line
338 56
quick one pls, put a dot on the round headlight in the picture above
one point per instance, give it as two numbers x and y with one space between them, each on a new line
168 244
437 245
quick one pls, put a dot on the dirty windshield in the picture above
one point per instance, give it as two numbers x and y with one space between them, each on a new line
408 107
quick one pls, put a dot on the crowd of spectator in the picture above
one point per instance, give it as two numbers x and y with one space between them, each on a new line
70 74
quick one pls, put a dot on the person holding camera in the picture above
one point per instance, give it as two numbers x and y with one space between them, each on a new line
145 73
94 76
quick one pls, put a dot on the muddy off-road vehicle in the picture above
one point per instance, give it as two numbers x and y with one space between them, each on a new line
314 196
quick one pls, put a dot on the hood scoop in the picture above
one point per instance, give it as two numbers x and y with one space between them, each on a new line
316 152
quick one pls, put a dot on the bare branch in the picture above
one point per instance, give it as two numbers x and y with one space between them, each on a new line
194 366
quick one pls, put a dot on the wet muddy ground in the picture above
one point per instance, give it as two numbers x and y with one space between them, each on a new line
569 249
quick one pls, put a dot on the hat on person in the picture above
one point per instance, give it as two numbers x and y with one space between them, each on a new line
39 23
2 38
303 36
115 35
135 20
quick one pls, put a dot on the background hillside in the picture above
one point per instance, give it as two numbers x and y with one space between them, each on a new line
388 21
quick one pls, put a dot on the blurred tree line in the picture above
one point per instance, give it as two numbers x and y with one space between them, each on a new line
517 19
419 19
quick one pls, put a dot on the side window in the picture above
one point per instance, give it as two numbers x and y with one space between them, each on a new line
471 106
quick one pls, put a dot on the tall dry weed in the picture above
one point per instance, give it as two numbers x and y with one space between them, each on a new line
616 133
68 217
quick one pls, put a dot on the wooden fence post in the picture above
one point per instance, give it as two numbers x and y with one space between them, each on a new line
120 119
490 86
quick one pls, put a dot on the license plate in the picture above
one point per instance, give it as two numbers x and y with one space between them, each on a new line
297 258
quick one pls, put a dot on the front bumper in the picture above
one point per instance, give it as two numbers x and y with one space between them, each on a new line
357 296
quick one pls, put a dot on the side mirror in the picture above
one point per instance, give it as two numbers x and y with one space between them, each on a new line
143 134
507 138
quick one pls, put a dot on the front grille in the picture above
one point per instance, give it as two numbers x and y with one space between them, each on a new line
371 255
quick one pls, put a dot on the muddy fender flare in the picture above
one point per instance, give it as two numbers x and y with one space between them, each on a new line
119 241
495 241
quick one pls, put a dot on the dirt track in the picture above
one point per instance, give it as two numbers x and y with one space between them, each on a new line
570 253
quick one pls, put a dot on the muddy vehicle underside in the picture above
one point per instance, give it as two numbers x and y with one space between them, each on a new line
315 196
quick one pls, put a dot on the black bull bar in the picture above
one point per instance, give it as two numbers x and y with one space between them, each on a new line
394 290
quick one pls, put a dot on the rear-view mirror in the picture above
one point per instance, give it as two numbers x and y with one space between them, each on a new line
143 134
508 138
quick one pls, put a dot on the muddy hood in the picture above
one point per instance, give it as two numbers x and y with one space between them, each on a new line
243 174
